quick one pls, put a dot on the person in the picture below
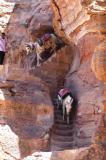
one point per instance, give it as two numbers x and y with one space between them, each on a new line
3 68
2 47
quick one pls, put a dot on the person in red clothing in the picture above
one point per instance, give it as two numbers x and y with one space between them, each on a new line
2 47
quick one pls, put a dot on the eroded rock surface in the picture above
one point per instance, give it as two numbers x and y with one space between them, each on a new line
81 24
25 121
28 21
98 61
26 114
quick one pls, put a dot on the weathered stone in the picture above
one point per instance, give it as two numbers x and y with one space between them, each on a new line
28 114
99 61
31 20
81 24
95 152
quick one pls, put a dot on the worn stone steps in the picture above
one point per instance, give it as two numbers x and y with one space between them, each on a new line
61 121
62 138
63 132
6 85
59 117
62 127
84 142
63 144
58 112
55 147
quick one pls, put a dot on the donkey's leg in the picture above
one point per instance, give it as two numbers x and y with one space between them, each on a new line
57 103
64 111
68 118
68 109
38 59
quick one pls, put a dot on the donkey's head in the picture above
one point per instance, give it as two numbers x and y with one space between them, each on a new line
30 48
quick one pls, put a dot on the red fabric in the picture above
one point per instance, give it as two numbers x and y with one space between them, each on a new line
46 37
63 92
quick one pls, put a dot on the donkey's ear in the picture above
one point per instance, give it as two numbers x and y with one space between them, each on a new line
27 45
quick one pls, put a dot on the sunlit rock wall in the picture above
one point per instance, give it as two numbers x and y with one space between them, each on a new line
83 24
6 10
26 117
80 24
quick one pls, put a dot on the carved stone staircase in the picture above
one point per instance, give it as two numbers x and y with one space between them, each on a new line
63 134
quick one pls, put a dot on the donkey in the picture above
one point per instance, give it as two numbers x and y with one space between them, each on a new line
36 49
48 46
65 99
67 107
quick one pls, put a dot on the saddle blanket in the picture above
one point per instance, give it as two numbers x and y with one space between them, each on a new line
63 92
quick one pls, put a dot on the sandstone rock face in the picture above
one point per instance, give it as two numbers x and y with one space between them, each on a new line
26 106
79 18
5 12
25 116
28 21
27 110
82 23
98 61
54 70
25 121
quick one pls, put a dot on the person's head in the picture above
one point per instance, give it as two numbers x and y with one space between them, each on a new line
3 35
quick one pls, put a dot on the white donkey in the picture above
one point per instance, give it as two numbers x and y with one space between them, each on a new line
37 49
66 106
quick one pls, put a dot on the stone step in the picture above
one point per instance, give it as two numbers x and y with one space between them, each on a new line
60 117
63 145
84 142
6 85
62 138
57 148
63 126
58 111
61 121
63 132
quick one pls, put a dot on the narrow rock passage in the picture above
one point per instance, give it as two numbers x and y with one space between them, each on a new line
79 133
63 134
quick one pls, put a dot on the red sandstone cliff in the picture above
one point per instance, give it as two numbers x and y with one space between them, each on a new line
28 116
82 23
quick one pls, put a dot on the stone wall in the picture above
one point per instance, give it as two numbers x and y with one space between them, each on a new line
28 21
82 23
28 115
